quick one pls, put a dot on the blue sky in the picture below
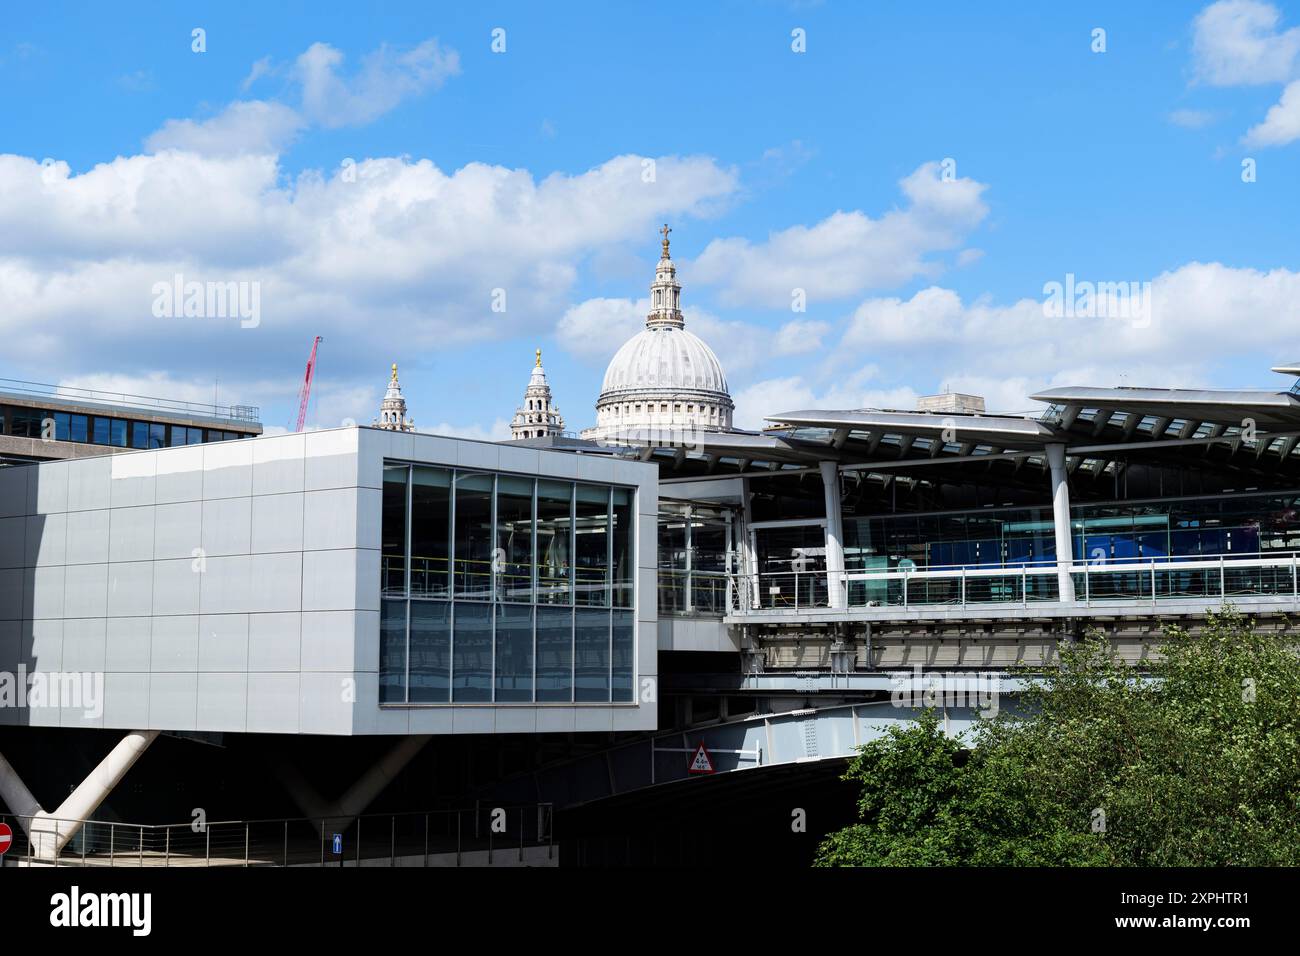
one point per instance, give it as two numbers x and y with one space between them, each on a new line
523 170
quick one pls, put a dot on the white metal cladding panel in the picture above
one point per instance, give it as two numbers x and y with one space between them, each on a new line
132 533
181 573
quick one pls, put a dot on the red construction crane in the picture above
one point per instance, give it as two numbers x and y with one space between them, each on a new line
305 394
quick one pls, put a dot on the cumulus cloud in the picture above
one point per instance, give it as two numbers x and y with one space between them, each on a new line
795 393
328 98
1238 42
1281 124
387 76
390 247
593 330
800 337
499 430
251 126
1007 351
848 252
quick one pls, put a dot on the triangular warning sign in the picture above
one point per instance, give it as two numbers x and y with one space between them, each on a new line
700 763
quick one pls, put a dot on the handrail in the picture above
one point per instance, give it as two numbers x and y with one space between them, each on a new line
246 842
749 595
72 393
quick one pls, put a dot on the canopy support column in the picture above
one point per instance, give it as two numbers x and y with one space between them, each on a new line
836 597
1061 520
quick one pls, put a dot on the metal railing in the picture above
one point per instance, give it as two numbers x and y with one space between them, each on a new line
71 393
1219 577
694 592
484 834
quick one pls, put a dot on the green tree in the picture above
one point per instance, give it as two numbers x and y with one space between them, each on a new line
1193 760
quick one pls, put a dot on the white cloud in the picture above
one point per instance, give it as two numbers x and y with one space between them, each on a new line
406 253
800 337
1237 42
328 99
1008 351
1282 123
386 77
499 430
594 329
263 67
847 252
251 126
795 393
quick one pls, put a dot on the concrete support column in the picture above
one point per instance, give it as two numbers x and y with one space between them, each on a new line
1061 520
50 832
341 812
17 797
834 535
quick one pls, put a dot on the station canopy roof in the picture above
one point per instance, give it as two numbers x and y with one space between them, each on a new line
1246 430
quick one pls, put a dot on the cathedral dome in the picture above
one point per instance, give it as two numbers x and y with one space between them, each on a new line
664 377
665 358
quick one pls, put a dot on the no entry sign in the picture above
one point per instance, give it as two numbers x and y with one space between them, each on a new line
6 838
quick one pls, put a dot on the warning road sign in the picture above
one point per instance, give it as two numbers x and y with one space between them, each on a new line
6 838
701 762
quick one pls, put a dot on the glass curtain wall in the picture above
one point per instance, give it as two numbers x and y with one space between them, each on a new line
1101 533
695 545
505 589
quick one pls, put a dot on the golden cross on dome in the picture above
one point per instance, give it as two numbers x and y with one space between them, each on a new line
664 232
394 371
539 358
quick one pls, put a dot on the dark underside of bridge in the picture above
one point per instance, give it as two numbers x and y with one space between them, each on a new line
724 819
770 817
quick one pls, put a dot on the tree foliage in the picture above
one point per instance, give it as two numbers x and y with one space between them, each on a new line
1192 761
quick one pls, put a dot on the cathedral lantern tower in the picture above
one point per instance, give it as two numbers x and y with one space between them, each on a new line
392 410
665 378
537 417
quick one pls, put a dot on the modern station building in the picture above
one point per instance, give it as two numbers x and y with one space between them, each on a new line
393 616
46 422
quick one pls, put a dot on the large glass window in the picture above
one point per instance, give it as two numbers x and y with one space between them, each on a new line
514 555
117 432
695 542
554 542
591 527
591 655
709 536
492 570
430 531
674 579
157 435
430 651
392 652
100 430
514 652
473 545
554 654
27 422
472 652
80 425
624 568
624 647
392 556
